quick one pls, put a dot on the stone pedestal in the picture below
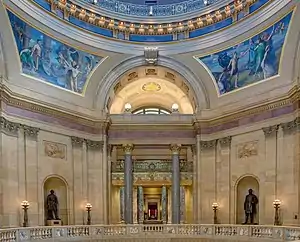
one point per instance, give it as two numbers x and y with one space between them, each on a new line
54 223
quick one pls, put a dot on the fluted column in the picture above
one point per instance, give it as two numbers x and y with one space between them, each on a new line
175 184
128 182
140 204
164 200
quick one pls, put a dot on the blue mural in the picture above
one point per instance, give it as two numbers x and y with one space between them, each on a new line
251 61
50 60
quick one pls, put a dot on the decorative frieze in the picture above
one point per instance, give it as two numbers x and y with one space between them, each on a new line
271 130
208 144
76 141
153 166
9 127
95 145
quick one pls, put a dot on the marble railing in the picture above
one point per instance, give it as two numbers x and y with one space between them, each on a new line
150 232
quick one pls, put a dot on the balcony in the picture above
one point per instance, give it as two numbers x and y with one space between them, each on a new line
157 233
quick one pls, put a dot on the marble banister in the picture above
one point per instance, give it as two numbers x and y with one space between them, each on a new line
165 232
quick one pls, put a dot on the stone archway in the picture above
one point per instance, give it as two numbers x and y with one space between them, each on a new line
243 185
60 188
107 85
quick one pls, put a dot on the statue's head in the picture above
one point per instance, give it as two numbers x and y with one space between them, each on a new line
52 191
250 191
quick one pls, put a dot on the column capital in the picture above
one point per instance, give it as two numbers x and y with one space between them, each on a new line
94 144
225 141
76 141
270 130
10 128
175 148
128 148
31 131
290 126
208 144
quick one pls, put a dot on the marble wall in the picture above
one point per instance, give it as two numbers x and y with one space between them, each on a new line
264 157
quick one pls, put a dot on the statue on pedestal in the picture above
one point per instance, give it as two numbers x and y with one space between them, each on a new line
52 206
250 206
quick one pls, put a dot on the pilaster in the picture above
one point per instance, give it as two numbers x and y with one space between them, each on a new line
79 200
208 178
95 179
31 161
223 174
270 176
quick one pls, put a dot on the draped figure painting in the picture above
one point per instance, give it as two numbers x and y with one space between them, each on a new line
250 61
50 60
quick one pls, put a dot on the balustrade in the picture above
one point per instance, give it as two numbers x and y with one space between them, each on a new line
188 231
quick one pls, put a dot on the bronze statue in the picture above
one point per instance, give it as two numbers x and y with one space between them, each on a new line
52 206
250 206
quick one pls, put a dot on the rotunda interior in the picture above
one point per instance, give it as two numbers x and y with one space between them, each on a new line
154 116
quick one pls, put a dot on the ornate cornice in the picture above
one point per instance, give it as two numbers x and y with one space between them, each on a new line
269 131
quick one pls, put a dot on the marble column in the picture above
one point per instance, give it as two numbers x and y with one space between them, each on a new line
164 203
135 205
175 184
140 204
182 204
169 217
122 204
128 181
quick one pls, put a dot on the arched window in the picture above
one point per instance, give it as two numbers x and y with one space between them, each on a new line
151 110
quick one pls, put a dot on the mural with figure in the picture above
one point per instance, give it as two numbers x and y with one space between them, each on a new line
50 60
251 61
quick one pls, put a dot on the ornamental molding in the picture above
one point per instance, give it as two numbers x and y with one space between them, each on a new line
210 17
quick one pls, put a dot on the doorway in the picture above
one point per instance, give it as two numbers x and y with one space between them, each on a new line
152 211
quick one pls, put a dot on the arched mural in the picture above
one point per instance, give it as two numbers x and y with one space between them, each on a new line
49 60
242 190
60 189
250 61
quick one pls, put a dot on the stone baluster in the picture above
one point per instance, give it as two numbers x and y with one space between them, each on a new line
175 184
128 181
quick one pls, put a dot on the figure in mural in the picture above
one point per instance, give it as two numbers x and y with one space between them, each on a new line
250 206
50 60
52 206
251 61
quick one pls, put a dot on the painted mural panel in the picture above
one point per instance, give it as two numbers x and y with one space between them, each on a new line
251 61
49 60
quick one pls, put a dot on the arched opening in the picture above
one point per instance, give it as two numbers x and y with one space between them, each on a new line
59 186
242 188
151 91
